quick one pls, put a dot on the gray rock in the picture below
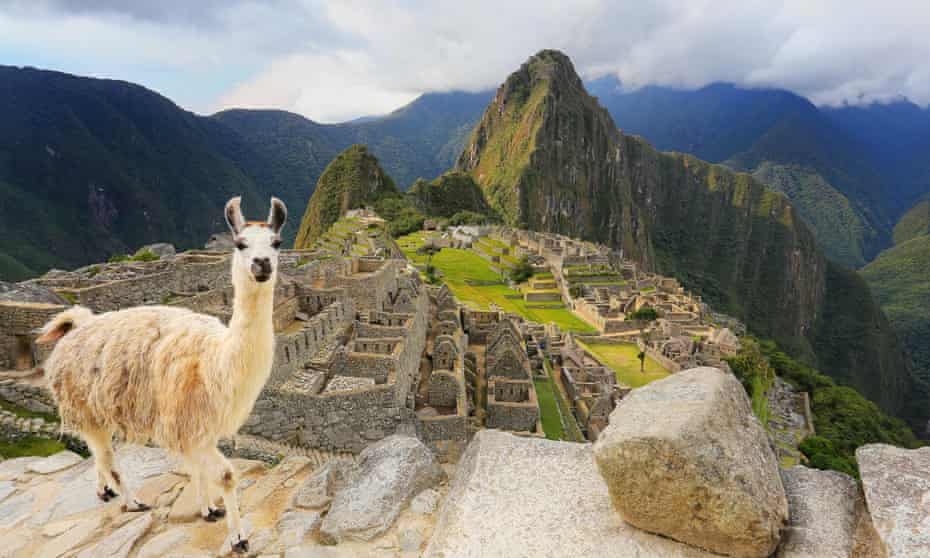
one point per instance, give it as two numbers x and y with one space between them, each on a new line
318 490
685 457
13 468
119 543
896 483
78 532
6 489
824 508
410 540
162 543
54 463
515 496
390 472
219 242
16 509
425 502
29 292
294 526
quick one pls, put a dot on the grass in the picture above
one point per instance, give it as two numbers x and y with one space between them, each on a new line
623 360
760 400
458 267
549 409
30 445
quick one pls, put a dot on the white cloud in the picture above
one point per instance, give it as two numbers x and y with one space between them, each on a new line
337 59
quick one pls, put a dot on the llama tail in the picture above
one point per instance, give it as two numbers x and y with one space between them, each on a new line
64 322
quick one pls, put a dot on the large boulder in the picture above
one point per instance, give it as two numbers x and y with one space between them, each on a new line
389 474
520 496
686 458
896 483
825 508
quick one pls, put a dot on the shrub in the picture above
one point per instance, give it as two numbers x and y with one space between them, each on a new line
646 314
522 271
468 218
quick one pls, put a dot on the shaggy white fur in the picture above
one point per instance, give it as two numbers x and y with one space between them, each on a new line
171 376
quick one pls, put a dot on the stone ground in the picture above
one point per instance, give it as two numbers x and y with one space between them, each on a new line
48 509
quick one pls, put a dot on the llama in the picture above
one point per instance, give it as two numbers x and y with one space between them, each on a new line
171 376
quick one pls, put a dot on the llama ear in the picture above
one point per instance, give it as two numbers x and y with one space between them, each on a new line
278 214
234 217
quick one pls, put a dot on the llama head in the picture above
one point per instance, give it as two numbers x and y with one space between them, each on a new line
255 258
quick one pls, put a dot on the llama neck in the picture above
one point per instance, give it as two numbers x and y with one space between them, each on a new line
250 341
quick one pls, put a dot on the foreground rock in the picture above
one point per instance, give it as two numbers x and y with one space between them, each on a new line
896 483
686 458
49 509
826 510
390 473
515 496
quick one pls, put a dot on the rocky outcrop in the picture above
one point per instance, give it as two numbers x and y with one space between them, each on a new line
447 195
686 458
826 510
896 483
390 473
517 496
48 509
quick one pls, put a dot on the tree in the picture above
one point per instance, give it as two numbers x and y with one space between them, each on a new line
430 249
645 335
522 271
647 314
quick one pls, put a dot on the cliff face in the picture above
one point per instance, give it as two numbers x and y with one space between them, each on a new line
550 158
546 155
352 180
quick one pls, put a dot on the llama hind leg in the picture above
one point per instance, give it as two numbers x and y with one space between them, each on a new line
99 443
223 475
108 479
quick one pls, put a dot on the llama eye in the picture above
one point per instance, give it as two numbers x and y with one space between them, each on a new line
276 243
240 245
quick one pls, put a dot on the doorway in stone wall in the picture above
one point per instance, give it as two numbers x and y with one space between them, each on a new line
23 356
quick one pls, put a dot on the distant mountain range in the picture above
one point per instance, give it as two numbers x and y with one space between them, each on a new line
92 168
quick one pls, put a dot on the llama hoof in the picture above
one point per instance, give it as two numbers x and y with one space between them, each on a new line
215 514
137 507
241 547
107 494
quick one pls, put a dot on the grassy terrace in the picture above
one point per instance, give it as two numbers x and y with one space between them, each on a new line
622 359
464 271
549 409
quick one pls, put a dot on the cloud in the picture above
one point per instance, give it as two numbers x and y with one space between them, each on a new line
336 59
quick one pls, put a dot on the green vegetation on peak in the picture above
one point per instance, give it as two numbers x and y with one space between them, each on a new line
840 228
451 193
899 279
915 222
352 180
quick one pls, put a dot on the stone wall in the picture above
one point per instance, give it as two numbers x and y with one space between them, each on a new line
18 325
34 398
444 388
515 416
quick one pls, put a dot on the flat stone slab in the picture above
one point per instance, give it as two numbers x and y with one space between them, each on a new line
515 496
54 463
896 483
824 514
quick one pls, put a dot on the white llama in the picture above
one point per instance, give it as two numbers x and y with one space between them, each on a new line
180 379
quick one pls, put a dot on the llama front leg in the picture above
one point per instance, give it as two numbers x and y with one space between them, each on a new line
198 465
223 475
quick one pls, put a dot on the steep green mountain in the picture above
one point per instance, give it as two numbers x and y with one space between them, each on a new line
448 194
550 158
91 168
353 179
914 223
545 154
419 140
900 279
784 140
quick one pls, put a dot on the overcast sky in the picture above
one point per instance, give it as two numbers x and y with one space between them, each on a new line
340 59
